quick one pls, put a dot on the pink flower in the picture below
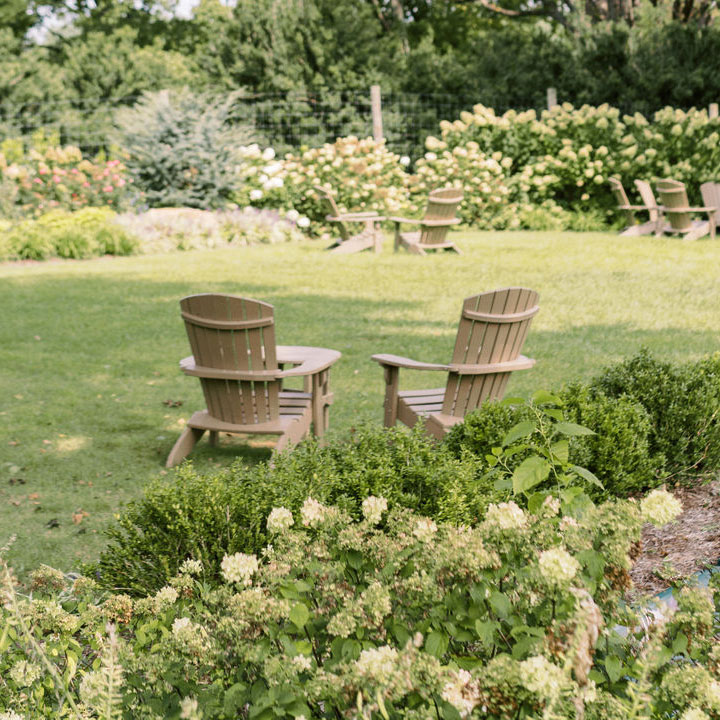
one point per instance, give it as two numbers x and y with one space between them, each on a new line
120 182
37 180
74 171
108 188
113 163
86 184
43 171
56 179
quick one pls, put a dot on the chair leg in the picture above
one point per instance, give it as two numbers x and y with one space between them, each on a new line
392 385
184 445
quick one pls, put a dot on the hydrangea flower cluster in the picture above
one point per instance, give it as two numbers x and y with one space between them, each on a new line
424 529
313 513
373 509
279 520
378 664
557 566
660 508
505 516
543 677
239 568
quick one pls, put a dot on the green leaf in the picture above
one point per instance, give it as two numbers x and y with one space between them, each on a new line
500 604
568 428
512 401
521 430
561 451
593 561
587 475
543 396
680 644
436 643
234 699
613 667
531 472
299 614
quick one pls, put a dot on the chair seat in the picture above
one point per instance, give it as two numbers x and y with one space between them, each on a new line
413 238
295 406
413 404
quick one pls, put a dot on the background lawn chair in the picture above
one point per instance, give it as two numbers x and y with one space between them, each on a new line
676 208
651 205
632 228
234 354
439 217
493 327
710 192
370 237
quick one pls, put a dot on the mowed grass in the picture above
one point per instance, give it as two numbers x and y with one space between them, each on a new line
89 349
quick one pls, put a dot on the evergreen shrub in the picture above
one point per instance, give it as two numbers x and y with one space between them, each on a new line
181 148
683 406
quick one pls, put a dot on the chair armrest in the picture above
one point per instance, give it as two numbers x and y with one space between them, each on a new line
410 221
398 361
310 360
441 223
350 217
188 366
689 209
520 363
636 207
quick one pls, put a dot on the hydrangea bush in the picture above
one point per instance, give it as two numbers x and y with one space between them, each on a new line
49 176
388 616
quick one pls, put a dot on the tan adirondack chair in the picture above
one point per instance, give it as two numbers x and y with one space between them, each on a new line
493 327
632 228
673 198
439 218
710 192
369 238
240 369
651 205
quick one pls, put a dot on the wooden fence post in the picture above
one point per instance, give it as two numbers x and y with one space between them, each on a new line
551 98
376 107
713 110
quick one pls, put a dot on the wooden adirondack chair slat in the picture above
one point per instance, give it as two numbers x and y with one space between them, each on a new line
369 238
491 333
673 197
439 217
235 357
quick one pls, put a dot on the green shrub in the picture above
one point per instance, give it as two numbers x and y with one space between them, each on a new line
683 405
82 234
617 452
388 615
181 148
205 517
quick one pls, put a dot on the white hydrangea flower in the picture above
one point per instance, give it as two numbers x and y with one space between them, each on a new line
292 215
378 663
165 597
557 565
279 520
461 693
189 709
506 516
274 182
303 222
660 508
239 568
424 529
713 696
268 154
541 676
302 662
191 567
694 714
373 508
25 673
312 513
180 624
404 160
11 715
256 194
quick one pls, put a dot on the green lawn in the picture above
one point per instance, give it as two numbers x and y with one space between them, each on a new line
89 349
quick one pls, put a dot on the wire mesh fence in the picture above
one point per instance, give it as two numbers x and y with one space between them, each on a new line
286 121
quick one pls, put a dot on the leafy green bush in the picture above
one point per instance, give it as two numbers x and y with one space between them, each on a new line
387 615
208 516
683 404
616 452
82 234
181 148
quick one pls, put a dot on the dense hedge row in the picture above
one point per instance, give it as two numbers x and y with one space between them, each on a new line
638 432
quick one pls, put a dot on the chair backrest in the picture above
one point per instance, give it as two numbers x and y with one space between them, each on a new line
621 199
228 332
442 205
493 327
648 198
710 192
332 210
672 195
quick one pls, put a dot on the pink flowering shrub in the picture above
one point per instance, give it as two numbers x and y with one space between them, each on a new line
57 177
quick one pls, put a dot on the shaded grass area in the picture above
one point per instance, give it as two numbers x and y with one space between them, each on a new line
89 386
